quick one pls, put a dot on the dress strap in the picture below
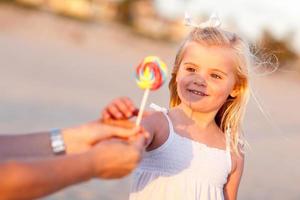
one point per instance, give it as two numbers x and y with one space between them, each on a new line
228 147
227 137
158 108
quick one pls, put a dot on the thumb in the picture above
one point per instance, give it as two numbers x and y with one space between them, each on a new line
139 141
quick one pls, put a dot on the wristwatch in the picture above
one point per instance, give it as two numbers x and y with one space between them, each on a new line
57 142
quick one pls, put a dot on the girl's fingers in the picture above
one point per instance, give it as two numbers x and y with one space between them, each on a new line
105 115
145 114
122 106
129 103
114 112
135 112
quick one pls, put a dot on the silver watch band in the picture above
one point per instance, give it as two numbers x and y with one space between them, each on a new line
57 142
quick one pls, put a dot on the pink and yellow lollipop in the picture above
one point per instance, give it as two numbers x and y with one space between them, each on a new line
150 75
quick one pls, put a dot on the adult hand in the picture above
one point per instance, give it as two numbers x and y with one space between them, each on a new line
82 138
116 158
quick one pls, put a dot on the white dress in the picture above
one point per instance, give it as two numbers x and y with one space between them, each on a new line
182 169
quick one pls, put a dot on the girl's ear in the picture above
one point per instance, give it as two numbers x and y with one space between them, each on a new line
234 92
176 79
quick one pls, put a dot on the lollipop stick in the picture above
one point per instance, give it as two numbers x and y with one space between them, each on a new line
142 107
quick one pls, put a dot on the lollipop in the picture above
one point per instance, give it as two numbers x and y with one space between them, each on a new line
150 75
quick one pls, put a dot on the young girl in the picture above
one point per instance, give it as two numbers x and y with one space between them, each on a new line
195 150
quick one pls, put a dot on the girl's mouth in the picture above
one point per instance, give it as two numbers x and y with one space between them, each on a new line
196 92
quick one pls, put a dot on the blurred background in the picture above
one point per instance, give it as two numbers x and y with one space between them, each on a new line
63 60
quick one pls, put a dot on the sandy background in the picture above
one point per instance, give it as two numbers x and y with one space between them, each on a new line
57 72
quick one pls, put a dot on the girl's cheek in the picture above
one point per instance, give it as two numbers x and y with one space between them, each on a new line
219 90
181 84
181 87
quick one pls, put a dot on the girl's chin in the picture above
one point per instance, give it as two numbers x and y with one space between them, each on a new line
198 106
194 99
200 109
201 106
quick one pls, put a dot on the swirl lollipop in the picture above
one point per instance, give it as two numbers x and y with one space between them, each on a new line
150 75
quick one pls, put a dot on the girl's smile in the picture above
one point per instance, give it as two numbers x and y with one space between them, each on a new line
192 88
197 92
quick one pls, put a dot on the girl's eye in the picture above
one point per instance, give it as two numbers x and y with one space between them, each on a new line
216 76
190 69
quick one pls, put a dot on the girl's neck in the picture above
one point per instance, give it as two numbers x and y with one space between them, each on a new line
201 120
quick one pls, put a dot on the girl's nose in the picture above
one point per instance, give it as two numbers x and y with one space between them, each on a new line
199 81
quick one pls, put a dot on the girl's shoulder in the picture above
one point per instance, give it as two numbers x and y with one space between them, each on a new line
155 121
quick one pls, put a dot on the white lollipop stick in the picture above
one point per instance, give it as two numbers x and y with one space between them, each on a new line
142 107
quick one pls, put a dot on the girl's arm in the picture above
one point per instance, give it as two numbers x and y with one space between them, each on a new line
233 181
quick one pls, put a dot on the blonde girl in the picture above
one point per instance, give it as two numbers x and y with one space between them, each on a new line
195 150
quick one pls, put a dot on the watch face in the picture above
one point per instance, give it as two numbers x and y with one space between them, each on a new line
57 142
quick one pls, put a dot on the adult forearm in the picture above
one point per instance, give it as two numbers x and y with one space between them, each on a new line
25 145
33 179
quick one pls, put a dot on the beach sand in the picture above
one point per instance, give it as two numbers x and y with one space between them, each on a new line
58 72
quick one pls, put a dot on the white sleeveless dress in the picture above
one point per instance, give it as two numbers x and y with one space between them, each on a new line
182 169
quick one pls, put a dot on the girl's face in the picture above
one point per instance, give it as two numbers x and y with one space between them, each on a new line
206 76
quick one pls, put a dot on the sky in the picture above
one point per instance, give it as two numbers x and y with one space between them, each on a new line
251 17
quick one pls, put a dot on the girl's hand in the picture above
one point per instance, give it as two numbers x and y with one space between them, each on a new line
121 108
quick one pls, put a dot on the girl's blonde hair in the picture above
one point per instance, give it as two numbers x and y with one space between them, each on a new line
232 112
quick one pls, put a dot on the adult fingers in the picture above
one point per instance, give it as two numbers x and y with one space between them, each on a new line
123 132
